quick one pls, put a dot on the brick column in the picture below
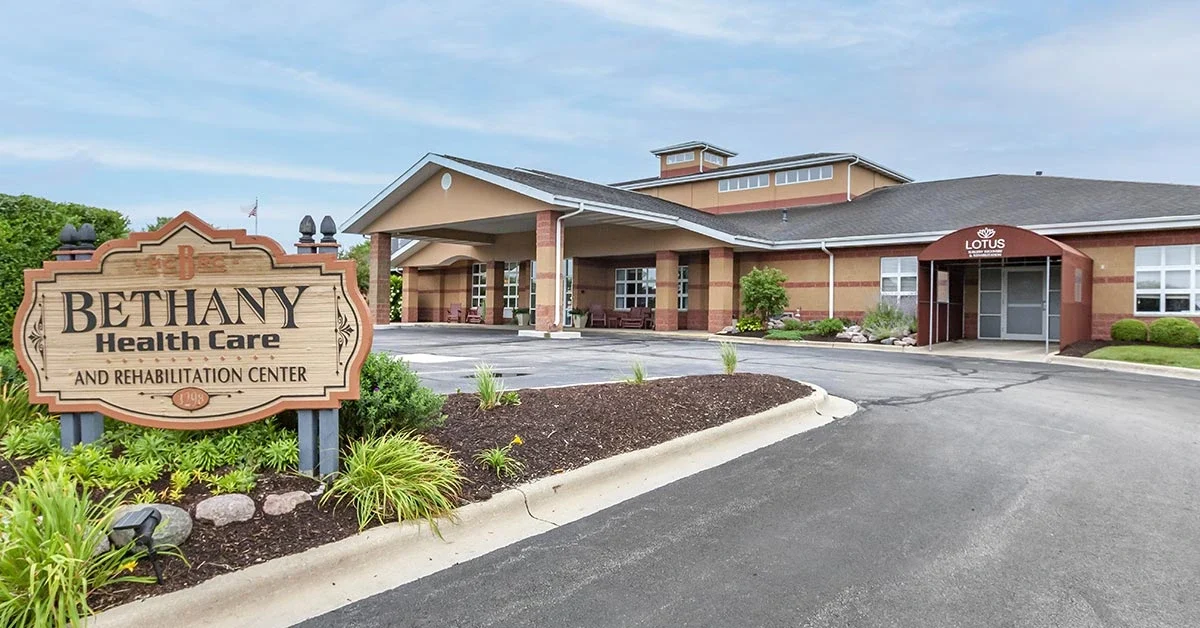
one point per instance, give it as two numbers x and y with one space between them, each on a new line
410 295
720 288
547 276
666 291
493 304
523 285
380 287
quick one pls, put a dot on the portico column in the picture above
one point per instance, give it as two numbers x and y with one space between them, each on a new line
720 288
666 291
493 303
547 269
410 295
380 262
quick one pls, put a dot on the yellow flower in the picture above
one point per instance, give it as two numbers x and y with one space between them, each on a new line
517 440
129 566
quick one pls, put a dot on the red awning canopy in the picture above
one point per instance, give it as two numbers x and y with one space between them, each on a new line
992 242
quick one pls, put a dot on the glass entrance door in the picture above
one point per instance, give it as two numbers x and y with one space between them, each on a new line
1024 303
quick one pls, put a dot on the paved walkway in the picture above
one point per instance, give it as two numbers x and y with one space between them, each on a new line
966 493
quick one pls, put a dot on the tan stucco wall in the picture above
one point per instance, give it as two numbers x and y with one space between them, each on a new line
467 199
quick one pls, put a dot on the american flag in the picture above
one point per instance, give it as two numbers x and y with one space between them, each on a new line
251 210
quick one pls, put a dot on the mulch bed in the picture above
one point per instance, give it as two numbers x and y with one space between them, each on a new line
562 428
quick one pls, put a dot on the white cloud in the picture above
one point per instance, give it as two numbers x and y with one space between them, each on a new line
1141 67
122 157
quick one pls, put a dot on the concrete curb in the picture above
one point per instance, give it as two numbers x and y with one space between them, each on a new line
1177 372
287 590
864 346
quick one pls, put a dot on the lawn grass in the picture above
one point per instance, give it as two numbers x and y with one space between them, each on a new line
1150 354
784 334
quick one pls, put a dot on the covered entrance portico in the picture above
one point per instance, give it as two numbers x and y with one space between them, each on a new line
999 282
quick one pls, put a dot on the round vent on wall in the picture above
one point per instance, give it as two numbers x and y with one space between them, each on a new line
446 181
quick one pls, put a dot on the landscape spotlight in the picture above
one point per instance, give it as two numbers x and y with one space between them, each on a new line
142 523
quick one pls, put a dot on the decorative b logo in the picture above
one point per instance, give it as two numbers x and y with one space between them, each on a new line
986 233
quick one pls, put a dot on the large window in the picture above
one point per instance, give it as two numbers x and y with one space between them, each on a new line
679 158
478 284
532 286
714 159
804 175
1167 279
744 183
512 274
683 288
898 282
634 288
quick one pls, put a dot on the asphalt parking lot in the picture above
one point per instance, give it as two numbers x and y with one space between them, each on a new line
966 492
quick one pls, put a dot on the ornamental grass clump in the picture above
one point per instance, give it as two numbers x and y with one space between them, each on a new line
887 320
49 533
397 477
639 374
729 357
501 460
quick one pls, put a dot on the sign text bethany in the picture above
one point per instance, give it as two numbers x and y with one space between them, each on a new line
190 327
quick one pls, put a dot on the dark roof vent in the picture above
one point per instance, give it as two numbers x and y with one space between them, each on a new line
785 215
1038 173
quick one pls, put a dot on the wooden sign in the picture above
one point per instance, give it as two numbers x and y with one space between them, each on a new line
191 327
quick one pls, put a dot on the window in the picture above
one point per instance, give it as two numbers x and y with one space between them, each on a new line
634 288
679 158
804 175
898 282
714 159
478 284
532 286
744 183
1167 279
683 287
512 274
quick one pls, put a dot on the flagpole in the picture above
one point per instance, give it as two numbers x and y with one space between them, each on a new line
255 215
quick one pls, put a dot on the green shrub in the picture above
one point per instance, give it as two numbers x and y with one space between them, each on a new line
31 441
236 481
397 290
393 399
746 323
29 228
829 327
783 334
763 295
887 320
281 454
49 533
10 373
397 476
729 357
15 409
793 324
1176 332
1129 330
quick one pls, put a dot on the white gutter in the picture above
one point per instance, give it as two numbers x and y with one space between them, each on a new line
558 259
830 254
849 169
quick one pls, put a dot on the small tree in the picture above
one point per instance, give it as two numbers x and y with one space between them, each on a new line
361 254
397 292
763 294
158 223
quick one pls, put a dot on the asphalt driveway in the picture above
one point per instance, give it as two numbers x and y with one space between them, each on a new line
965 493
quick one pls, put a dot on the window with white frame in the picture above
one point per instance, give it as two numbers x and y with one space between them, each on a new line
478 284
679 158
512 273
634 288
804 175
744 183
532 286
1167 279
714 159
898 282
683 288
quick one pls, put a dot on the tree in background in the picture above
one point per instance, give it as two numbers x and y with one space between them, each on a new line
361 254
158 223
29 228
397 291
763 294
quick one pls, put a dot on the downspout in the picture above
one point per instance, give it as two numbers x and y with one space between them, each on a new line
558 260
849 168
830 254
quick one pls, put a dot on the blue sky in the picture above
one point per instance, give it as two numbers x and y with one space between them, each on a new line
155 106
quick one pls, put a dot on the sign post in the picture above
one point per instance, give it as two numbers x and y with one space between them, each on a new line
192 327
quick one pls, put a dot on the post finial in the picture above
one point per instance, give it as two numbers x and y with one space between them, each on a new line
307 228
328 230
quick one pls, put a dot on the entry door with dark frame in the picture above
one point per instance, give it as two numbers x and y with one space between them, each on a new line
1024 303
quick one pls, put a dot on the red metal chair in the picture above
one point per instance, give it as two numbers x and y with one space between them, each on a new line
474 316
635 318
454 314
597 316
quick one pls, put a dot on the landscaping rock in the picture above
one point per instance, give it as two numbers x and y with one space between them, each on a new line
859 338
909 342
174 529
103 546
854 329
845 335
728 330
887 341
223 510
284 503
